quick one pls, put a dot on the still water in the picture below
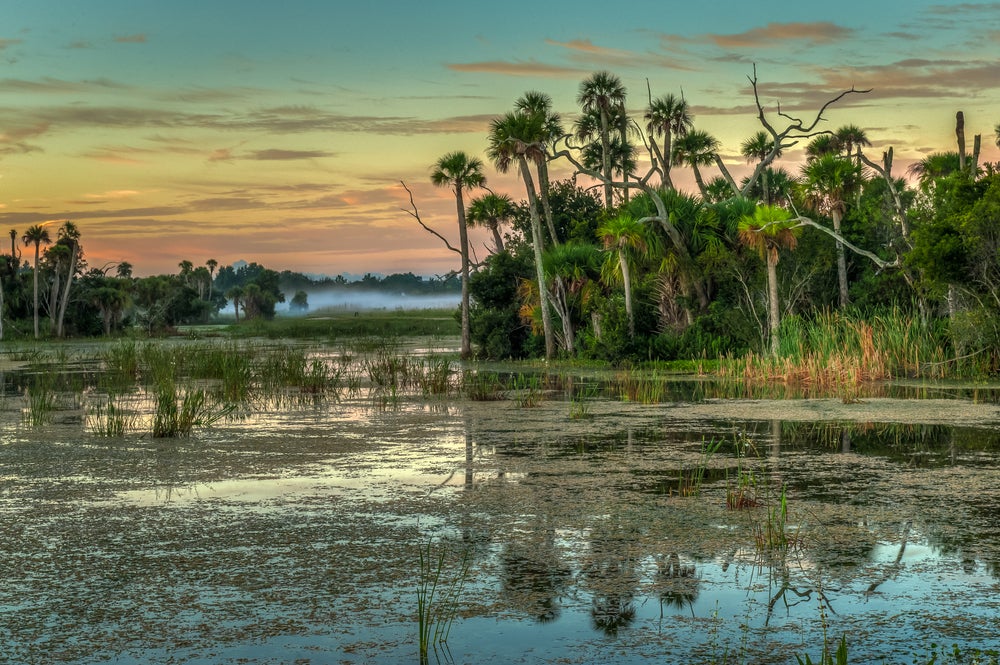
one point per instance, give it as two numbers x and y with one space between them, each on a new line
596 530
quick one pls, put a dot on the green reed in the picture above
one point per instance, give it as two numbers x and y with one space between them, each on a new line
438 591
110 417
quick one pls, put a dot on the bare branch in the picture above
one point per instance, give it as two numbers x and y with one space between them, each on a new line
415 214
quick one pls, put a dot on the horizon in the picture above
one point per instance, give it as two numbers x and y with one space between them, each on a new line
229 130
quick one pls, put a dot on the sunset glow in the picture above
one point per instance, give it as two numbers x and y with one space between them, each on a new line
279 132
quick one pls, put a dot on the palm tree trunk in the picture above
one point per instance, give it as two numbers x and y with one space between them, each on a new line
698 179
463 238
627 280
667 161
841 261
65 296
606 159
543 190
35 275
536 233
497 240
772 296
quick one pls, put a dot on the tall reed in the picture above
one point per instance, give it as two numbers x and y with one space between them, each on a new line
438 592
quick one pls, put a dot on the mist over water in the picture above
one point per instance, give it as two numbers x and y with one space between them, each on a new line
354 300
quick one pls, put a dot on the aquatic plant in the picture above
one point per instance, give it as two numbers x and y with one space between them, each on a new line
482 386
111 419
438 591
527 391
179 412
689 483
434 376
41 399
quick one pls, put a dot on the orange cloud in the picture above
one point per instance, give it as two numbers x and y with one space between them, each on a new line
774 34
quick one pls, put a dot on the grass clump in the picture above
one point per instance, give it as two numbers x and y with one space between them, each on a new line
438 591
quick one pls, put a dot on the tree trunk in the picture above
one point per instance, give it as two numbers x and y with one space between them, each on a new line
841 261
497 240
627 279
606 159
543 190
772 298
536 233
35 275
668 160
65 296
463 238
960 135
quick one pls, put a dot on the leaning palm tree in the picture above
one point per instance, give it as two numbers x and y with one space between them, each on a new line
605 93
37 235
539 103
626 236
827 182
68 233
757 148
460 172
696 148
768 230
669 117
517 138
490 211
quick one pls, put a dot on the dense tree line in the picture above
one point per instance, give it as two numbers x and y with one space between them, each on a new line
618 264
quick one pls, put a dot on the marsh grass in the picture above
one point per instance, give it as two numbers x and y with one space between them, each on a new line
41 399
336 324
636 386
435 376
111 418
178 412
690 480
438 591
480 386
838 352
526 391
580 400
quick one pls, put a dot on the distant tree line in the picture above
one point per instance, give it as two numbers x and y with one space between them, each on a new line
50 290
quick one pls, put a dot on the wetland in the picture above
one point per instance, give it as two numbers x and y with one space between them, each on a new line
308 497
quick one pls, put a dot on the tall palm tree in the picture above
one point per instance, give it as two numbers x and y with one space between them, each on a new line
14 254
757 148
828 181
490 211
539 103
235 294
516 138
669 117
37 235
696 148
460 172
571 270
626 236
767 231
603 92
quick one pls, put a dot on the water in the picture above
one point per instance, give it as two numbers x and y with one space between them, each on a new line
293 535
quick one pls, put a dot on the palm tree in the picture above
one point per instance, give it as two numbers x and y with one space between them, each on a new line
14 254
669 117
757 148
538 103
828 181
627 236
696 148
851 137
236 295
460 172
603 92
779 182
933 166
186 267
767 231
68 233
490 211
824 144
37 235
996 132
212 265
519 137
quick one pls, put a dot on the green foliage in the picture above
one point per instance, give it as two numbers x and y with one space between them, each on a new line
495 321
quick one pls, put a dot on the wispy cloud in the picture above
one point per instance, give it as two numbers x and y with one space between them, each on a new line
54 85
7 43
280 154
518 68
585 51
778 34
965 8
139 38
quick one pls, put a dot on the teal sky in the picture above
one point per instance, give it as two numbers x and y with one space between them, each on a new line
279 132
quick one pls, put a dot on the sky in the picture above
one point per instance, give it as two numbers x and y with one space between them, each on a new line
280 132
